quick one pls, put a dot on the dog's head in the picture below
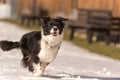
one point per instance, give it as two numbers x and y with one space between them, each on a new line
53 26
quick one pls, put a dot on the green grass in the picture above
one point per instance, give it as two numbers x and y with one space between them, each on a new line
109 51
95 47
17 22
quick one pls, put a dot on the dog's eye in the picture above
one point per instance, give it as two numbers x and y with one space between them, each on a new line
51 24
57 24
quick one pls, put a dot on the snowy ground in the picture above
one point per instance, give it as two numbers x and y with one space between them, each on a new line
72 62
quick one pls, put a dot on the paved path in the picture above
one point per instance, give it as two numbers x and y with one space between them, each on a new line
72 62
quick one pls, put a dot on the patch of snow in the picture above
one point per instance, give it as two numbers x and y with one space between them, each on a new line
72 62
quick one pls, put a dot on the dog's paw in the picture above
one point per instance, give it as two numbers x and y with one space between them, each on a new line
37 73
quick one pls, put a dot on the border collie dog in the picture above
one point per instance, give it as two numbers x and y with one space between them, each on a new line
39 48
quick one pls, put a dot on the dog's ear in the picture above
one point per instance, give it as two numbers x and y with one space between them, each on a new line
44 19
61 19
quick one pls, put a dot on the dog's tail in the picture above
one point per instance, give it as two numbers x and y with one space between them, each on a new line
9 45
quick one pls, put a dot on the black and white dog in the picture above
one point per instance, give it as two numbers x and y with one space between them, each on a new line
39 48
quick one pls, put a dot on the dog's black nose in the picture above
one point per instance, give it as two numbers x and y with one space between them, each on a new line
55 29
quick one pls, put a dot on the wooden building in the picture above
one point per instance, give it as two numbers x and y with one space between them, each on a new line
113 5
55 6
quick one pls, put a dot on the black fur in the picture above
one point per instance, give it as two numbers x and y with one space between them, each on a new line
29 45
30 48
48 23
30 42
8 45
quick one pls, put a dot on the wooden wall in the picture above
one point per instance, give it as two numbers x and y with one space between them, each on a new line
113 5
54 6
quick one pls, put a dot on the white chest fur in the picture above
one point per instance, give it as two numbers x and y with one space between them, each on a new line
49 47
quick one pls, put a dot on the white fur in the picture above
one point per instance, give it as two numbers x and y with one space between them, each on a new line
49 47
37 69
52 30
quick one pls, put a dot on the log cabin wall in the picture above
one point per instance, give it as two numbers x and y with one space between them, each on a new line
54 6
113 5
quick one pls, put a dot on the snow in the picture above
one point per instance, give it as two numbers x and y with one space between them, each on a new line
72 62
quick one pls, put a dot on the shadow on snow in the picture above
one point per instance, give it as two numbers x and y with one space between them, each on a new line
64 75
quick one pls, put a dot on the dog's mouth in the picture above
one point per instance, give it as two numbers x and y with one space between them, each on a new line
54 33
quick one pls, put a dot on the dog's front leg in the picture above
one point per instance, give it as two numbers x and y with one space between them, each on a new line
43 66
39 69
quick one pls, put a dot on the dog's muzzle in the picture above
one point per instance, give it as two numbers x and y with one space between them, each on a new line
54 31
